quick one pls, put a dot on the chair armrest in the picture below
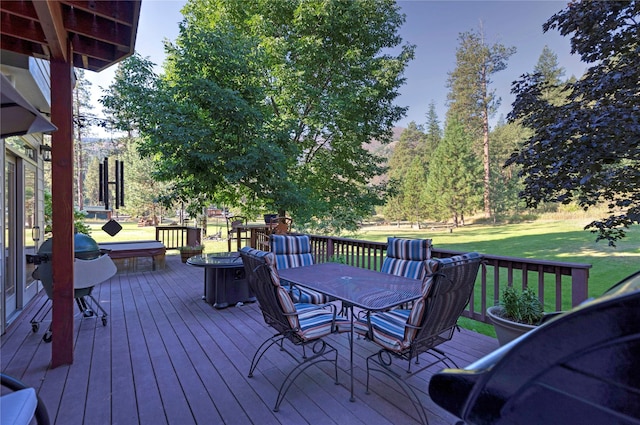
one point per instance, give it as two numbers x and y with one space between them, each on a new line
41 414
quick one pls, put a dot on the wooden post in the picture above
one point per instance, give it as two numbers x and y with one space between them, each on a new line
579 285
62 215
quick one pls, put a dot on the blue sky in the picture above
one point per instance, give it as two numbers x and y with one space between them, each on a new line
432 26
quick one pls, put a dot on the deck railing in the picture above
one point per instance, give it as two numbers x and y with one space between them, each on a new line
559 285
173 237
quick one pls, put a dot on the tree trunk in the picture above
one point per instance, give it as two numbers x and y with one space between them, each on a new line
485 147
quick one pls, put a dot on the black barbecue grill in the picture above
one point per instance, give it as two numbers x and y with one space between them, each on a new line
92 266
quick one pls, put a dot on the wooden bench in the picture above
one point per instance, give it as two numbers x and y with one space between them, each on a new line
126 255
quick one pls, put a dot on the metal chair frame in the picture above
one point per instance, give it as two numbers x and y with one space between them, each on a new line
313 351
233 230
457 275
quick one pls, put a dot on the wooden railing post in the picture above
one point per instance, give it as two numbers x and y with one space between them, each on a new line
579 286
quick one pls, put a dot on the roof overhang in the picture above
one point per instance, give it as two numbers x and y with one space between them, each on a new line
101 33
19 117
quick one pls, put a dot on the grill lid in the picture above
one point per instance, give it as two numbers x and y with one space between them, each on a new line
85 247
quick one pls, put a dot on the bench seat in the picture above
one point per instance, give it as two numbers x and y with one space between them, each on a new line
130 256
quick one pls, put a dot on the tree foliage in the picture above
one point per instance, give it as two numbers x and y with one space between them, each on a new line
588 149
142 191
81 111
269 105
432 130
505 182
455 176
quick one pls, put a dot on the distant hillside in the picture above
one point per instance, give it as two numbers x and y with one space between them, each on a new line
385 150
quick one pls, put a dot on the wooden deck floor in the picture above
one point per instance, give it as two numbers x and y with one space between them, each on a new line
167 357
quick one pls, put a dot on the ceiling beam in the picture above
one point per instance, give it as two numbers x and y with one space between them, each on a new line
50 16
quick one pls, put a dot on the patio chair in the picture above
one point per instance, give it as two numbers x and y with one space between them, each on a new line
233 232
86 275
21 405
405 334
295 251
406 257
280 225
303 325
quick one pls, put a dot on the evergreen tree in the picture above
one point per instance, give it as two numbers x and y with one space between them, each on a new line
413 190
142 191
82 121
92 182
455 176
433 132
505 183
409 147
471 99
551 74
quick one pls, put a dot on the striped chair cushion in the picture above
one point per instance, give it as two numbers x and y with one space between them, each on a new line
405 257
317 323
291 251
286 303
389 328
295 251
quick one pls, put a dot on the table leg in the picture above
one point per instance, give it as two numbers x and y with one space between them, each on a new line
220 289
206 276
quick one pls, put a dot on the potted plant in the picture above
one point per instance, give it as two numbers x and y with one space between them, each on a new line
189 251
516 314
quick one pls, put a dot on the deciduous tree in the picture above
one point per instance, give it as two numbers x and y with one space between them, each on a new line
588 148
269 104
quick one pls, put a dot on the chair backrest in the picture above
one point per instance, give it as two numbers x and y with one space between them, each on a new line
446 291
291 250
234 222
278 309
280 225
406 257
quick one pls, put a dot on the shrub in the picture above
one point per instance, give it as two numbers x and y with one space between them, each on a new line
522 307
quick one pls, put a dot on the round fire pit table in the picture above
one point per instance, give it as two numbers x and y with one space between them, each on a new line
224 280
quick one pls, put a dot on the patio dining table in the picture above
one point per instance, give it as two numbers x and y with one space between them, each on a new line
355 287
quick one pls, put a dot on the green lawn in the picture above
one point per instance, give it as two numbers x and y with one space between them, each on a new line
550 240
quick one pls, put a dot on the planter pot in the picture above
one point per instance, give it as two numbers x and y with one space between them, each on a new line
506 330
186 254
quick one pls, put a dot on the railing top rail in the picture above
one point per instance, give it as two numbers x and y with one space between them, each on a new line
532 261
